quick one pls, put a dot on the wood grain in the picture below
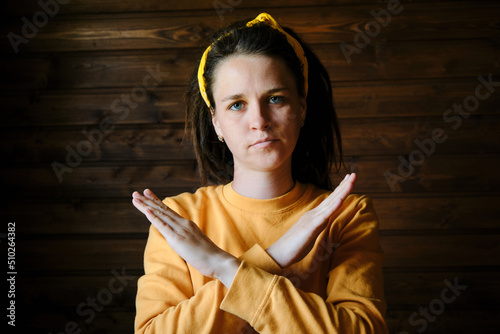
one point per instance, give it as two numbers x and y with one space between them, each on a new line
172 29
438 221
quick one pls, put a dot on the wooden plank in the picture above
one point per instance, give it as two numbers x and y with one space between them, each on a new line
188 29
100 182
24 7
416 251
79 217
51 319
169 142
65 291
361 137
89 107
48 145
166 104
437 174
440 251
408 291
387 61
450 321
82 255
395 213
407 98
437 213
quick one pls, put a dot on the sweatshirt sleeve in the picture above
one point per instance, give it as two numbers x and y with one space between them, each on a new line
165 299
354 298
166 302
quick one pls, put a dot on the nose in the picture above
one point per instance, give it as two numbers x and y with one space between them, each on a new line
260 117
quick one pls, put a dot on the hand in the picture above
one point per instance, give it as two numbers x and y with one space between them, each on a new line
294 245
187 240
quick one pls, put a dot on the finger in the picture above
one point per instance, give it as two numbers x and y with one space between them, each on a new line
161 224
149 198
141 206
149 194
143 203
335 199
345 187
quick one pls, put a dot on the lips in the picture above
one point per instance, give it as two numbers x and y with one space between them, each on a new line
262 143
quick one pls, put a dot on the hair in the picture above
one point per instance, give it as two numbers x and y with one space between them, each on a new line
318 148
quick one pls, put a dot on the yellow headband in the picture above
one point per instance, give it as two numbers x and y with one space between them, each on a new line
268 19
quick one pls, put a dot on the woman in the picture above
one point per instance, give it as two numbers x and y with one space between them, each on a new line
267 248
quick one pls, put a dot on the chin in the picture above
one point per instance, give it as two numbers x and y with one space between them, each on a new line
269 163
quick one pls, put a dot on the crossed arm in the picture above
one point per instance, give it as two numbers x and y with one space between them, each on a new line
190 243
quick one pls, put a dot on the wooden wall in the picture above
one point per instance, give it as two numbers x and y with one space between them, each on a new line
75 237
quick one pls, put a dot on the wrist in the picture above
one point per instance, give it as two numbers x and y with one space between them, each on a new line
226 270
274 253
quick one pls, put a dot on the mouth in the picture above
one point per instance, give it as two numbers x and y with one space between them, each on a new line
264 143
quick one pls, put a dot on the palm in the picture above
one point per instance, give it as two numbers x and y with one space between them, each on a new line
299 239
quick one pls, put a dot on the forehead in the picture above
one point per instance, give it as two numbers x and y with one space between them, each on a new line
242 74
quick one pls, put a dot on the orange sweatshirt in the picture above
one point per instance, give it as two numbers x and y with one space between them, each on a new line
336 288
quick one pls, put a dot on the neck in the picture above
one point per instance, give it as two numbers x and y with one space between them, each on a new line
263 184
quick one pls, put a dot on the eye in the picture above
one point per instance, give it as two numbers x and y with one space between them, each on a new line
236 106
276 99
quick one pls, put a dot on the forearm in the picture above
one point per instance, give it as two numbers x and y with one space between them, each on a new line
158 312
276 305
227 267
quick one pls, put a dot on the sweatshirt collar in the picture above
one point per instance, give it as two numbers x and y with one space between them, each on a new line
274 205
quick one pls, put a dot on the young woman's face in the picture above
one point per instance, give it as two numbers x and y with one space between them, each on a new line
258 111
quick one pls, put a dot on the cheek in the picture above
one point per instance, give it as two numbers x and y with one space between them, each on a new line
290 122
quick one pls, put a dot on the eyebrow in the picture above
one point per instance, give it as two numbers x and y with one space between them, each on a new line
239 96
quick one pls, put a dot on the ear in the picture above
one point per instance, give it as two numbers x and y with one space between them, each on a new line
215 122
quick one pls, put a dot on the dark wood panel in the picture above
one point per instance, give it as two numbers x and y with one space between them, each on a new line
100 182
388 61
437 213
395 213
72 290
407 98
363 137
450 321
166 104
359 137
88 107
188 29
440 223
82 255
23 7
109 320
79 217
437 174
47 145
410 290
439 251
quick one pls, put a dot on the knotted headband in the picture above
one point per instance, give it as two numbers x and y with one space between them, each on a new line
269 20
